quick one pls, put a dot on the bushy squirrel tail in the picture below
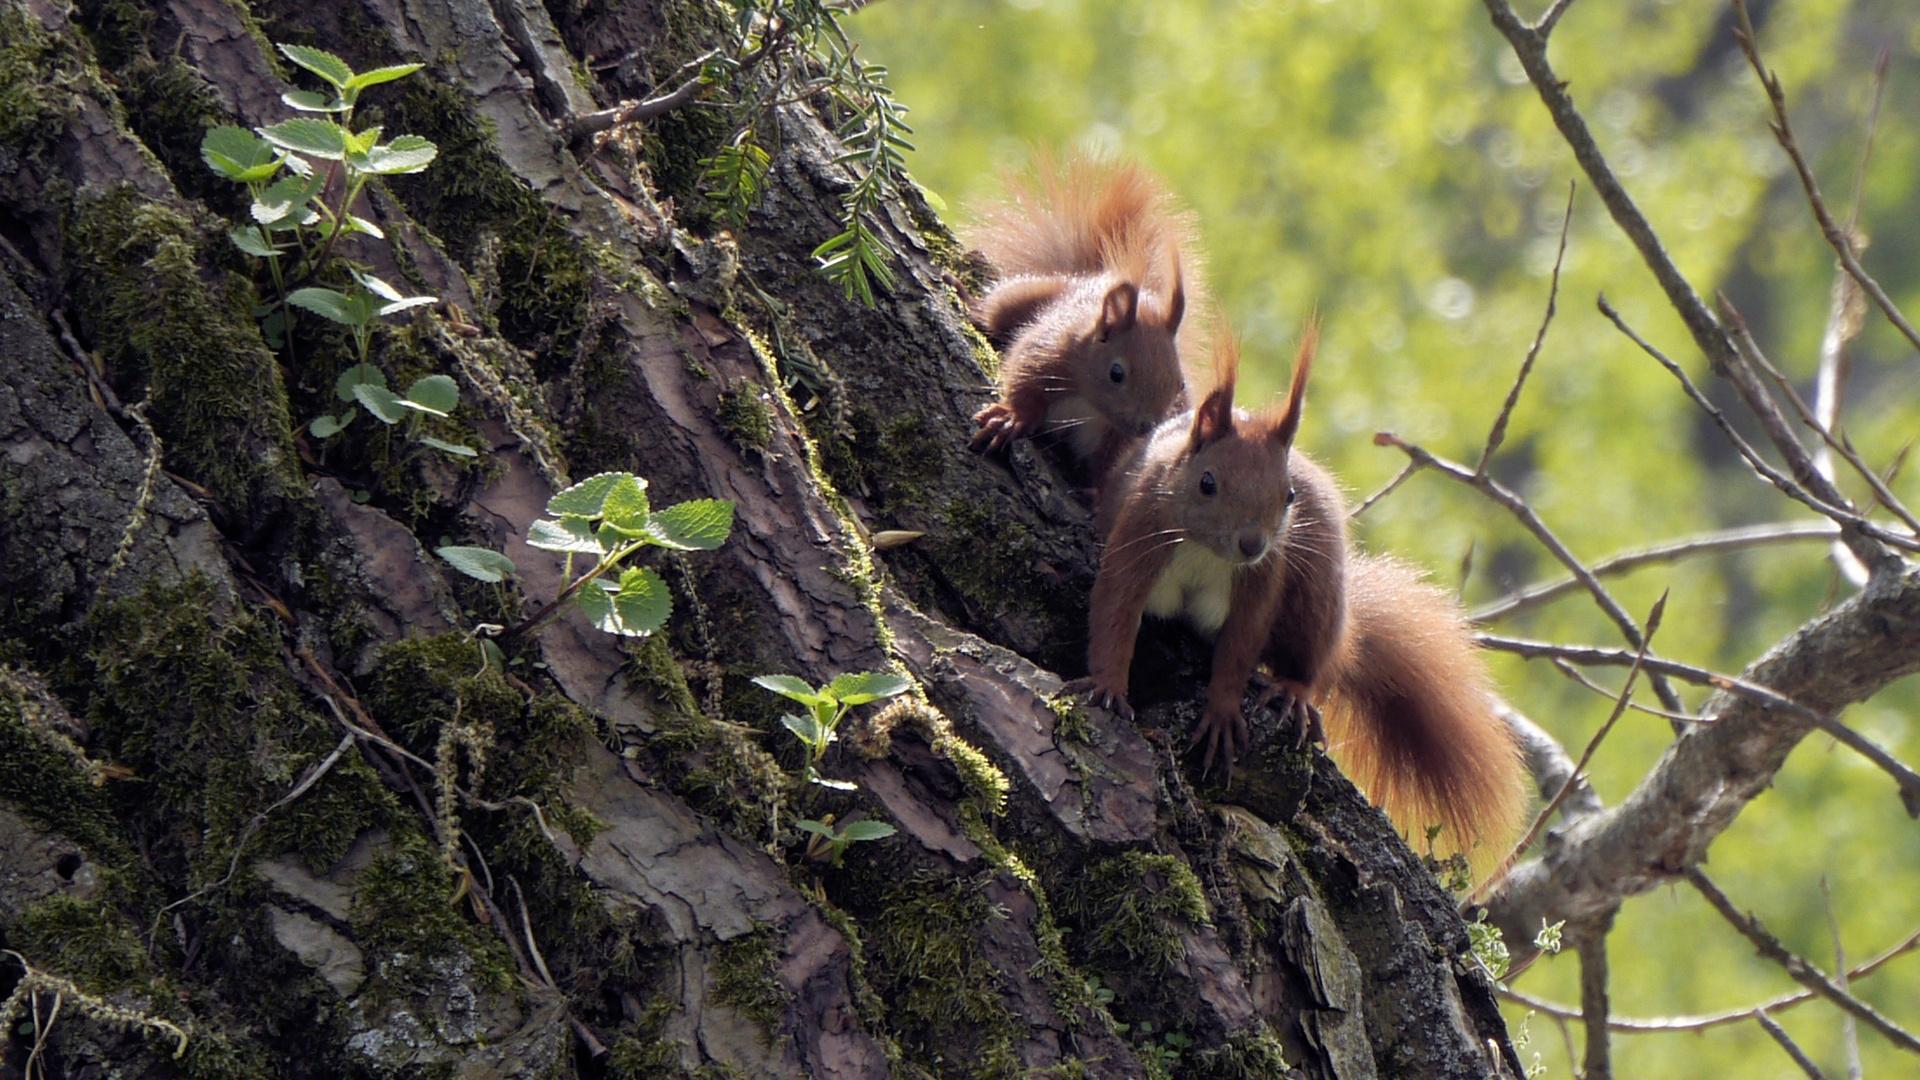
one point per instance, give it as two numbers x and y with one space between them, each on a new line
1079 215
1412 715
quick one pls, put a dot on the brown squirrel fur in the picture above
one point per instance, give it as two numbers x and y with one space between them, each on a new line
1095 261
1217 520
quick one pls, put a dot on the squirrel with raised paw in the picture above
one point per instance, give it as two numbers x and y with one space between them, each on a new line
1216 520
1094 260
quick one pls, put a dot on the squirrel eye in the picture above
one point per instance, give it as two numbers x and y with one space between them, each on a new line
1117 373
1207 485
1292 494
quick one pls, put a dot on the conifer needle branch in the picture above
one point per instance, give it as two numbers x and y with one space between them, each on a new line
1498 433
1515 505
1771 700
1637 1026
1533 596
1783 132
1798 968
1792 1048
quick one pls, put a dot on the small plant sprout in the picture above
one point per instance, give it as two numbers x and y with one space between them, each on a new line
1484 939
832 845
826 707
365 385
607 518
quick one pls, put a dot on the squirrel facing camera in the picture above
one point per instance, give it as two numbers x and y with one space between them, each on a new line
1095 261
1218 522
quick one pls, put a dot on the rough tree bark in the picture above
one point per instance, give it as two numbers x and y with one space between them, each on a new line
616 887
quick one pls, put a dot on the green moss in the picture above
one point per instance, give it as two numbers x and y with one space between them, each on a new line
1070 717
193 695
87 941
746 975
642 1052
46 779
406 917
134 266
652 667
746 419
983 778
42 81
940 989
1253 1053
1127 909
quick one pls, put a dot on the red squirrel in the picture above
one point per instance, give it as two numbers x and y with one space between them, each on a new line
1094 259
1217 520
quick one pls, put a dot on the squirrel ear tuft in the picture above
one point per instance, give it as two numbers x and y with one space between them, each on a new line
1214 417
1289 424
1119 310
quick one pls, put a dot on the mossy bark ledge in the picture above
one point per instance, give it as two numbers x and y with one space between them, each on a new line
260 782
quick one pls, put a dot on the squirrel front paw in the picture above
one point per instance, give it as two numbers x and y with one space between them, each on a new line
999 425
1222 731
1108 696
1295 705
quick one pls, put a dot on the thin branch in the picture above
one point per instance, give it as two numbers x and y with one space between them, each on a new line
1367 503
1846 518
1792 1048
1533 596
1849 1031
1797 968
1782 131
1906 778
1515 505
1597 1062
1550 765
629 112
1551 17
1498 433
1586 757
1579 678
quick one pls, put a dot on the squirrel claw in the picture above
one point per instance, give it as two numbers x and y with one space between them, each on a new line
1107 697
1296 707
1220 732
999 425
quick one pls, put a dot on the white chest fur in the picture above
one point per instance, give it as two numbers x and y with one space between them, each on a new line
1197 586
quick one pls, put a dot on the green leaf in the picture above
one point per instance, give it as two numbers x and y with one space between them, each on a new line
484 564
405 154
858 688
238 154
308 101
588 498
377 286
326 427
328 303
251 240
360 142
323 139
867 830
806 728
321 63
456 449
571 533
597 603
381 75
384 404
790 687
643 601
625 510
700 525
437 394
353 376
816 828
407 304
358 224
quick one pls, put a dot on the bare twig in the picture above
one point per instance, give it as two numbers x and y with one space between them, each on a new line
1498 433
629 112
1533 596
1515 505
1797 968
1836 238
1367 503
1550 765
1792 1048
1550 17
1906 778
1597 1063
1579 678
1841 515
1586 757
1782 1003
1849 1032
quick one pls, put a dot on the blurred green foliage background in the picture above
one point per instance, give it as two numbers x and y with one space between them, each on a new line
1388 164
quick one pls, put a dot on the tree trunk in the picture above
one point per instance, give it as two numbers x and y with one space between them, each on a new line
260 780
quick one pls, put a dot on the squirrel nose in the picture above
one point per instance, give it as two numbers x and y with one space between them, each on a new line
1252 545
